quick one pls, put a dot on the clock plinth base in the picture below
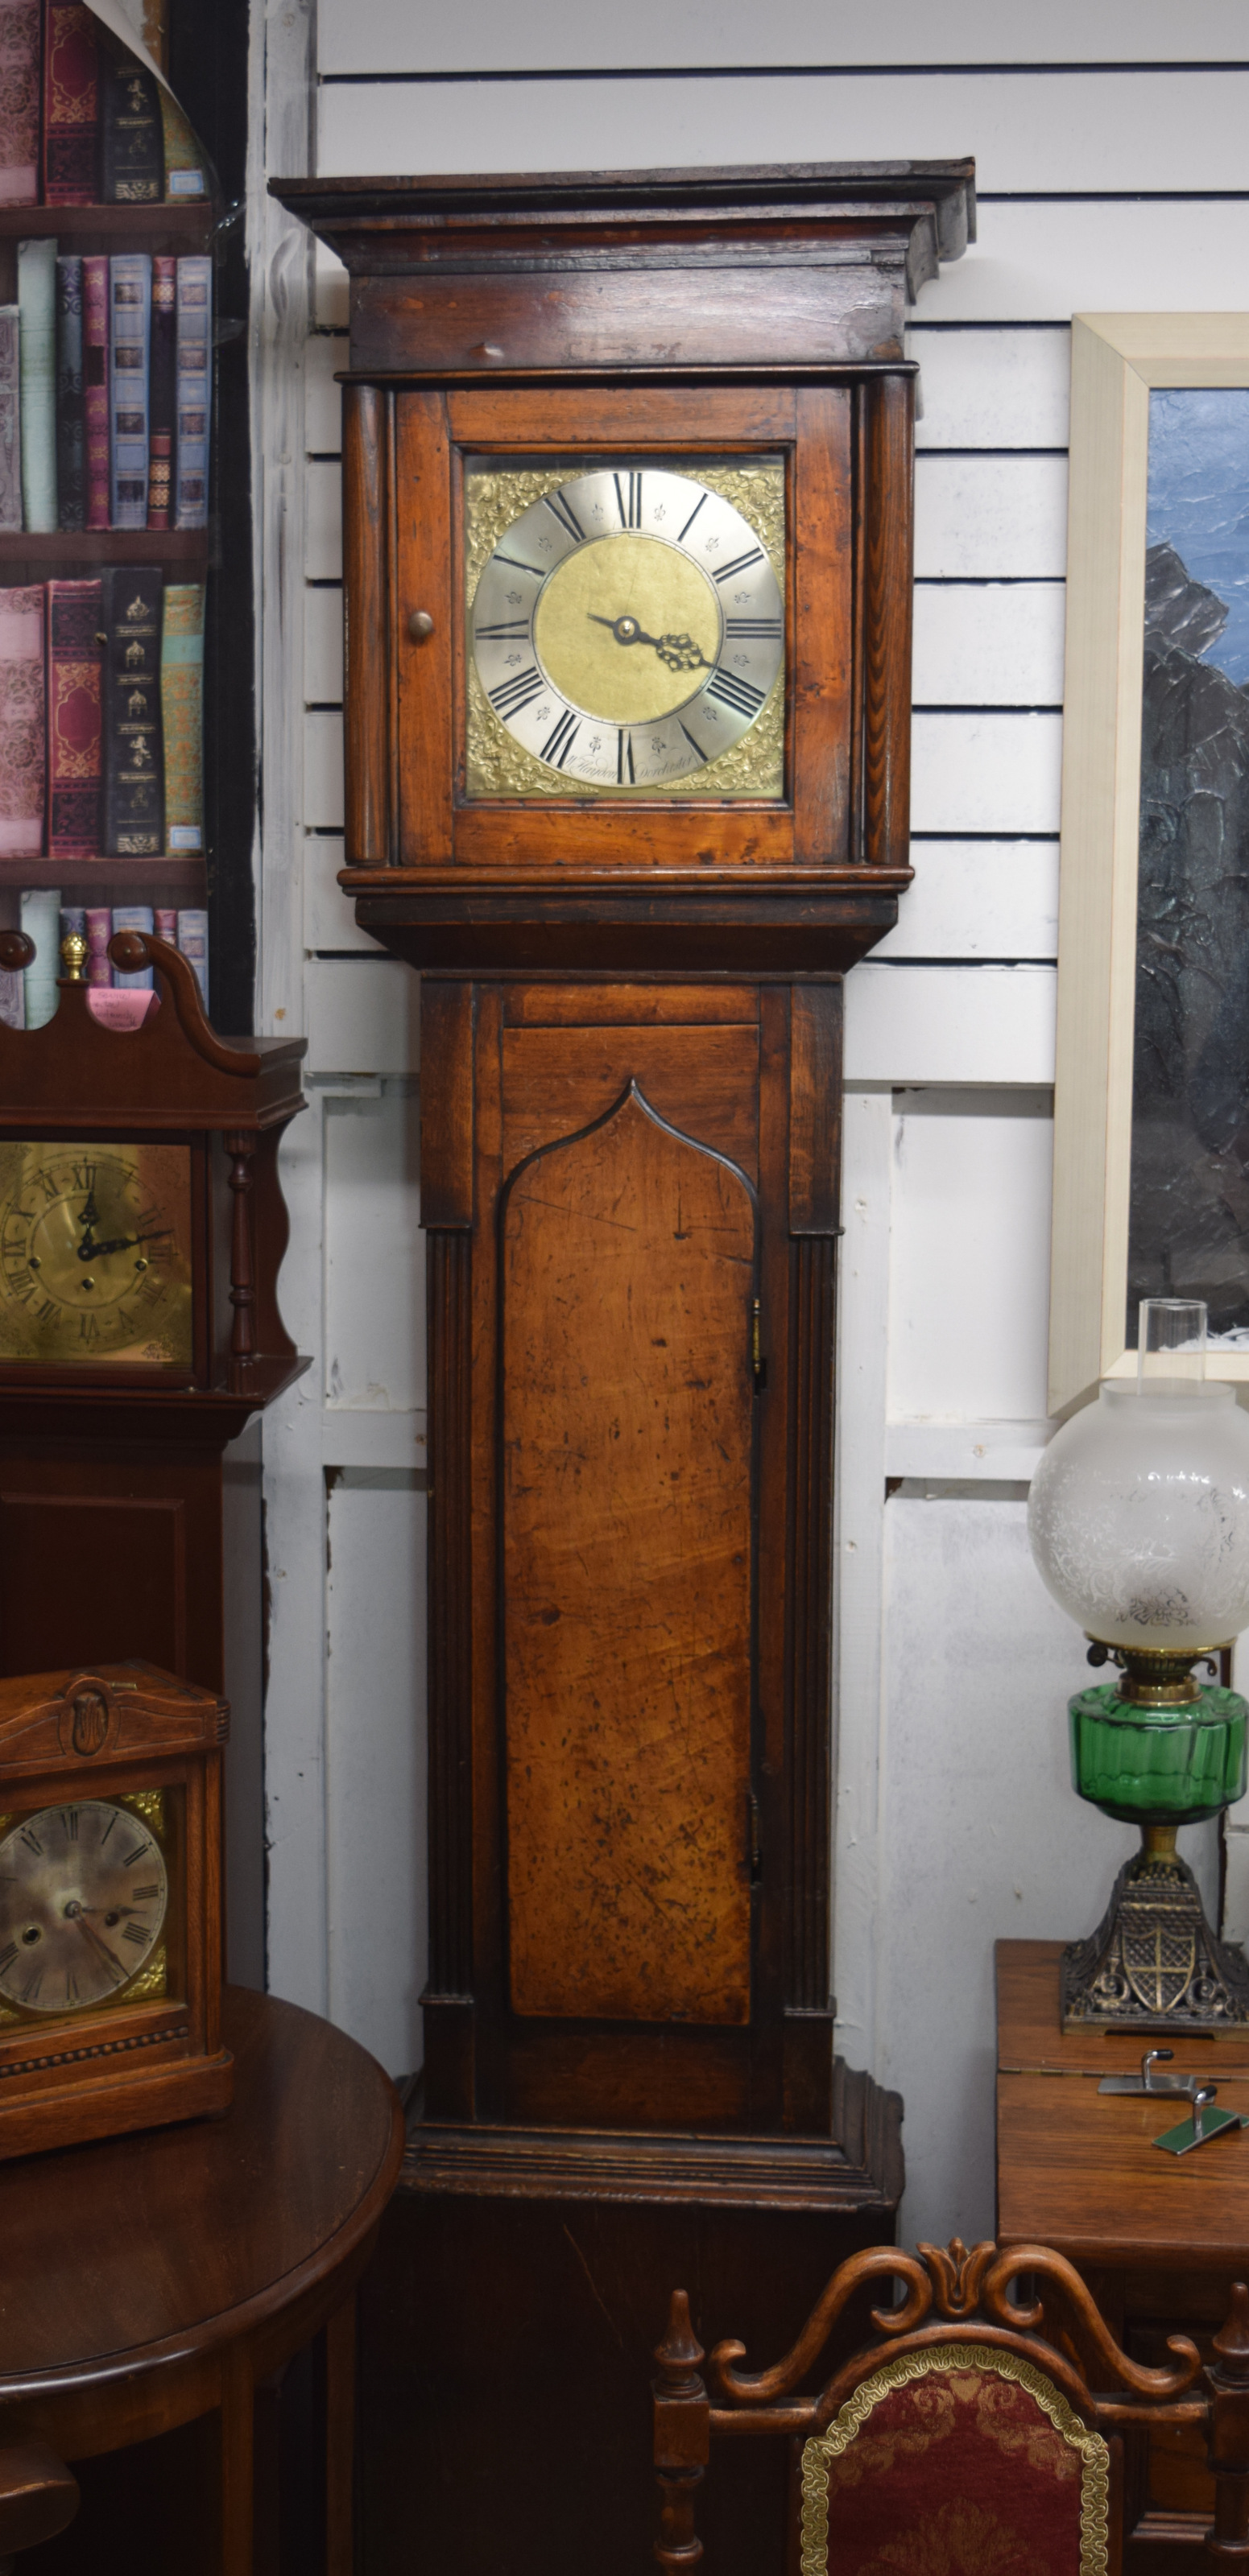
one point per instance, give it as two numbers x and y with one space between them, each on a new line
199 2089
506 2331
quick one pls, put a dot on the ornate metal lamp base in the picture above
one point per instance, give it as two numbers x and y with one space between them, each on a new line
1153 1963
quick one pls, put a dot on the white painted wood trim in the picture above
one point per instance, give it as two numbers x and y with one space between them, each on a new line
858 1557
1115 360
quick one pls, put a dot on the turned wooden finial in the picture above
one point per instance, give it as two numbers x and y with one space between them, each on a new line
680 2353
1231 2343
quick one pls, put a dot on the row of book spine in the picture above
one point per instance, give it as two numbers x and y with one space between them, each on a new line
82 121
101 717
28 995
105 376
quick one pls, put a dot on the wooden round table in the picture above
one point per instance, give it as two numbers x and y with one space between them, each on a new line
151 2279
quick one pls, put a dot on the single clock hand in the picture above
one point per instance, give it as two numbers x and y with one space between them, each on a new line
680 652
77 1914
90 1251
90 1218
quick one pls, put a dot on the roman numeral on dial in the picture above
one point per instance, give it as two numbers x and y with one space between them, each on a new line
562 510
558 744
740 563
742 695
513 627
624 759
739 629
136 1932
511 695
629 499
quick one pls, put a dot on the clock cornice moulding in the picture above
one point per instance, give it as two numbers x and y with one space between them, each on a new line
848 244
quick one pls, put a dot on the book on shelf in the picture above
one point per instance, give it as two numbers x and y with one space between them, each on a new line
134 804
98 930
182 714
39 911
193 942
71 427
10 418
75 779
130 319
36 299
19 102
133 916
195 274
21 722
95 402
162 393
132 151
185 172
71 104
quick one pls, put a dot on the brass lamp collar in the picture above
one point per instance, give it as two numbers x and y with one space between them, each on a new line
1156 1676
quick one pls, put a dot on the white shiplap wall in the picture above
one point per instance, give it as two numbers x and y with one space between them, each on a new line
1110 144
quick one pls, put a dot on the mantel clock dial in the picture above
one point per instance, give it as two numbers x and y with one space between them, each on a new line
628 627
95 1254
83 1897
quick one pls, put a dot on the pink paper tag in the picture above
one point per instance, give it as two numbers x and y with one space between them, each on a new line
120 1010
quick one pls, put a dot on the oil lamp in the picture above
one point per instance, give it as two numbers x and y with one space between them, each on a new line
1138 1519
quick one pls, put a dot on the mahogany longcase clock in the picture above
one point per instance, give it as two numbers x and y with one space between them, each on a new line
628 467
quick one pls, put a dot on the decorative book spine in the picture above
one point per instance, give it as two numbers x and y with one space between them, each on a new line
99 933
74 750
162 401
95 387
181 708
19 102
194 345
166 924
40 911
21 722
151 17
193 942
10 419
130 307
132 155
132 916
12 998
134 805
36 296
73 919
71 104
184 165
71 427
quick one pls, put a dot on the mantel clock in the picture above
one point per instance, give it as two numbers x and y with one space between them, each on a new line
110 1905
628 468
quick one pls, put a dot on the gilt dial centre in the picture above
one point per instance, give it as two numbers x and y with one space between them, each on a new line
586 609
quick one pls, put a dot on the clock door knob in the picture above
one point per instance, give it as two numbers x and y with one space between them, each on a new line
420 624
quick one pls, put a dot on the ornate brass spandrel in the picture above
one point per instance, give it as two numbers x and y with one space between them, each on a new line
148 1805
495 763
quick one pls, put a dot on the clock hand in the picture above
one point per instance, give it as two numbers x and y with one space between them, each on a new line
77 1914
680 652
92 1251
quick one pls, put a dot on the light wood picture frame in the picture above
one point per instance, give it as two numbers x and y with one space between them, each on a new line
1117 361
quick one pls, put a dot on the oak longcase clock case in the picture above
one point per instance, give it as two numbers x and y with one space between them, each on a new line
627 553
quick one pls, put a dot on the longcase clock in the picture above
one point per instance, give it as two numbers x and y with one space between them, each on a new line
628 557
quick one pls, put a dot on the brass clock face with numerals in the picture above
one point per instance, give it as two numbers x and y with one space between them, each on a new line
628 625
95 1254
84 1893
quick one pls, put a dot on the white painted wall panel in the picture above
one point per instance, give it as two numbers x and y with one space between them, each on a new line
375 1762
363 1016
978 899
986 773
323 772
390 35
329 914
984 644
323 541
957 1024
323 646
1071 130
374 1253
323 399
986 518
970 1255
991 388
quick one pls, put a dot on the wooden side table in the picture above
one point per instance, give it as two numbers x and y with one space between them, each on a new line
149 2280
1158 2238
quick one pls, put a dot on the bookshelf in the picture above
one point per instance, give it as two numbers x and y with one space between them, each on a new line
83 623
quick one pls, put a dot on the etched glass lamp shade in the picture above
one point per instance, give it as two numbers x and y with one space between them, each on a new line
1139 1523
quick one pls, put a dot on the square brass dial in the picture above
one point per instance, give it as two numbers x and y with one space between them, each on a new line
625 627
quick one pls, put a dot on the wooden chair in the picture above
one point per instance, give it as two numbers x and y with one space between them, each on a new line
982 2425
38 2497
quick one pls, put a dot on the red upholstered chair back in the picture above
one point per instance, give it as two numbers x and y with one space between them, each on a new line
977 2434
